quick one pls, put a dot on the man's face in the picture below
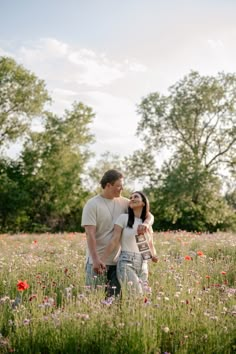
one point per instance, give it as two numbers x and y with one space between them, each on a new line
116 188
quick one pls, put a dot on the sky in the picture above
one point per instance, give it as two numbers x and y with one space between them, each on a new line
109 54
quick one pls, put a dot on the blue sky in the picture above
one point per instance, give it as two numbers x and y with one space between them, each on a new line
109 53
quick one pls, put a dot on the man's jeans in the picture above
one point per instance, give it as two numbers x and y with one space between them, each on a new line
108 278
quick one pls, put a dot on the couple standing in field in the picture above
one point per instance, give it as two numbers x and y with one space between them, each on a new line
119 237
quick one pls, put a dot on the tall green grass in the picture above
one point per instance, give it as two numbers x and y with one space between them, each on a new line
189 305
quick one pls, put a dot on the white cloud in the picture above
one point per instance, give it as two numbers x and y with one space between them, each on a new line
4 53
63 92
94 70
44 49
58 61
112 86
134 66
138 67
81 74
215 43
115 122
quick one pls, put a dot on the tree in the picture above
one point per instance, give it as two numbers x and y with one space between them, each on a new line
43 188
136 171
189 199
22 97
54 162
199 116
140 168
197 123
14 196
106 162
230 196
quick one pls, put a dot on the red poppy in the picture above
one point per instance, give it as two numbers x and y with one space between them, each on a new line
223 273
200 253
208 276
22 285
188 258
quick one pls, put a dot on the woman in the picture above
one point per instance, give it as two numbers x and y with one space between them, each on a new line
132 267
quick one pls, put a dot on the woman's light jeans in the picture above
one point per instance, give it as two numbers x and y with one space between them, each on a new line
132 272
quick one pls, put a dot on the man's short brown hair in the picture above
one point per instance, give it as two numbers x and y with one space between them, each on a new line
110 176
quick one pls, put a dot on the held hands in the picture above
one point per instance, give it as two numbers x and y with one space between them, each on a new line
154 259
98 266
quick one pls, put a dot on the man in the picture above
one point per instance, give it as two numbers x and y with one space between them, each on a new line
98 218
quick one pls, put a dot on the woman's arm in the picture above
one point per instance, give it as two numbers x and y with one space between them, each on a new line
113 242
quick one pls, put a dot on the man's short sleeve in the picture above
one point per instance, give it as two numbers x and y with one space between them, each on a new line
89 214
122 220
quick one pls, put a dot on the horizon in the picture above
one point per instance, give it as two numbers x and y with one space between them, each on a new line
110 55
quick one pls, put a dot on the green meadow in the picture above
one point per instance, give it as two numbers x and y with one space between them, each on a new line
189 305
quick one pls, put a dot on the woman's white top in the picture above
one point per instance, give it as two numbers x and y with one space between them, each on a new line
128 241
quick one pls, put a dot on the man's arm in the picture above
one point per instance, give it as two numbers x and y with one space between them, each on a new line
152 247
146 224
90 231
149 220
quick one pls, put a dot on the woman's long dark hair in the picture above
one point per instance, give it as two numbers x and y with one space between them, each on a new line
144 213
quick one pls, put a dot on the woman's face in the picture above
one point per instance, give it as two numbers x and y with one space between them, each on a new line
136 201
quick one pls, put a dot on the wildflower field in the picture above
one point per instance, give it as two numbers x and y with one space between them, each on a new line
189 305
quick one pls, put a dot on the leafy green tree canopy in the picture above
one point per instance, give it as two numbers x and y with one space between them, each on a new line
196 123
22 97
198 115
187 198
58 155
43 188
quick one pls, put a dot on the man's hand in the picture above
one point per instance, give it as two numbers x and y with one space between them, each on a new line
154 259
98 266
142 228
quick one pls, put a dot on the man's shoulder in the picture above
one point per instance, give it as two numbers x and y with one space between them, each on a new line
93 200
122 200
95 197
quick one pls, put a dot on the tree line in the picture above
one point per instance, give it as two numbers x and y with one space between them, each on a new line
46 186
